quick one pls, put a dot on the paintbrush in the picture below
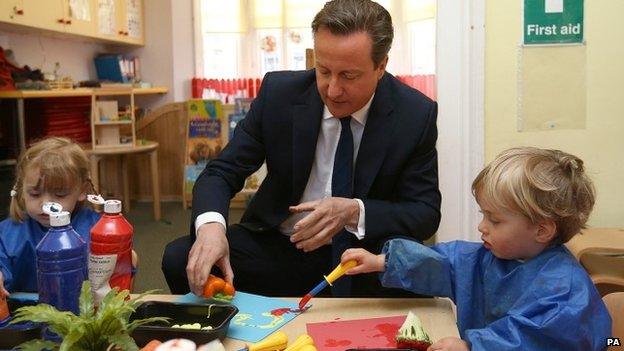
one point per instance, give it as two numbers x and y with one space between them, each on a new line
338 272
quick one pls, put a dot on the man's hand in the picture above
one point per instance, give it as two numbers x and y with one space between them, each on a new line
366 261
450 343
328 216
3 292
210 248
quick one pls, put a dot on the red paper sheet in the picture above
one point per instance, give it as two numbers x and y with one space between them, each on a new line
340 335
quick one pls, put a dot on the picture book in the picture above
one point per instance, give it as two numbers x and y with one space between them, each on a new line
204 140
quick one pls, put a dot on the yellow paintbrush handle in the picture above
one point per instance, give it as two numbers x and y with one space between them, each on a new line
274 342
339 271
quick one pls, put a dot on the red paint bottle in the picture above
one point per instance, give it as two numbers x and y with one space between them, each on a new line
110 254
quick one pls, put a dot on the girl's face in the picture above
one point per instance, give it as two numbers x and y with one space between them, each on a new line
510 235
35 196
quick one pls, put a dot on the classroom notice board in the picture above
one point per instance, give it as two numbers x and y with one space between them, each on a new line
551 87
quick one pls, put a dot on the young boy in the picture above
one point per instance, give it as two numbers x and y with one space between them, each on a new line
521 289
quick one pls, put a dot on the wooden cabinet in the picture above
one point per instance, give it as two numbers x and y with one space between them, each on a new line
119 21
80 17
12 11
44 14
69 16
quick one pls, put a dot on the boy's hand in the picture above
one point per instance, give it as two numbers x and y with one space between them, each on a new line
450 343
366 261
3 292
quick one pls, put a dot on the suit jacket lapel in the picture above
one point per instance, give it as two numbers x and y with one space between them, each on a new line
307 115
375 139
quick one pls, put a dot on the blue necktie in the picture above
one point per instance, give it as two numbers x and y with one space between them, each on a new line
342 186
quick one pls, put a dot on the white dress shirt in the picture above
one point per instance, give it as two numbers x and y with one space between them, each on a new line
320 180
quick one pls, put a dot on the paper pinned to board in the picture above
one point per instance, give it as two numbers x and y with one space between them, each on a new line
552 88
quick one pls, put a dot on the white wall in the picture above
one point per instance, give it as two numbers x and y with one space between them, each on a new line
183 48
38 51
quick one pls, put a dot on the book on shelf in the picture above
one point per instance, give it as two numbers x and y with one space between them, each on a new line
204 140
112 85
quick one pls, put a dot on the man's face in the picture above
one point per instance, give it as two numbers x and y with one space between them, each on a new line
346 76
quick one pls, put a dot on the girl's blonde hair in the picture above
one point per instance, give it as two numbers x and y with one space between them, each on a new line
62 164
539 184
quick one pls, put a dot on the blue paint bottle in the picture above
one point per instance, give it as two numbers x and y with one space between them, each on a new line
62 257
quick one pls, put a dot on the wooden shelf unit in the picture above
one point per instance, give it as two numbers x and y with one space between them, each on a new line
111 134
20 95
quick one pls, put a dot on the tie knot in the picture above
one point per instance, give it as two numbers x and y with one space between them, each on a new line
345 121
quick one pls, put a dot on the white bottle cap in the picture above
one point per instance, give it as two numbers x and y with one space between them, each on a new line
177 345
59 219
112 206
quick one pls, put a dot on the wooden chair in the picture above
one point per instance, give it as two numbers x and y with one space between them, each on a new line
122 153
605 270
615 305
601 252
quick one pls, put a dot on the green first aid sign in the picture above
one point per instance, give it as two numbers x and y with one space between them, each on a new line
553 21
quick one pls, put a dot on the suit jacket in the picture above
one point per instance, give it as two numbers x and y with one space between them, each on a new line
395 173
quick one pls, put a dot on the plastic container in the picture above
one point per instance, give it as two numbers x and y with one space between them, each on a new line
110 254
61 264
12 335
216 316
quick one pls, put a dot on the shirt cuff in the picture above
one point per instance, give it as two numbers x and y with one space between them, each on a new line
360 231
209 217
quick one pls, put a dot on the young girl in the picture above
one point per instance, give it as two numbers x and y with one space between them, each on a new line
53 169
521 289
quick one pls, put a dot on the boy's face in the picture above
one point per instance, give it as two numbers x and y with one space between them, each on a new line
509 235
35 196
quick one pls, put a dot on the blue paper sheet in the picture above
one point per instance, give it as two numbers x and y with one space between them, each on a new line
258 316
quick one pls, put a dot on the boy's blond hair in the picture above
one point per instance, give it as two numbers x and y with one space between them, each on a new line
539 184
62 164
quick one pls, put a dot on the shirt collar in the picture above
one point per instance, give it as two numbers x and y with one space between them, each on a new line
360 115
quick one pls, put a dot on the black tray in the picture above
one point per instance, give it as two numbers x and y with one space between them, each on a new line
220 316
12 335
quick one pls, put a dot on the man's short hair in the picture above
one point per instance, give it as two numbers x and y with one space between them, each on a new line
344 17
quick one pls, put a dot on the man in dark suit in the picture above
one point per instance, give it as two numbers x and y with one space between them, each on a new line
351 161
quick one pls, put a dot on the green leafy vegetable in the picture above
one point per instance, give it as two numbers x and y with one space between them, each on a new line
100 330
412 335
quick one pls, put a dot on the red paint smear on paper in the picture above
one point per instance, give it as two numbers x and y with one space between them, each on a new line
388 331
365 333
280 311
336 343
